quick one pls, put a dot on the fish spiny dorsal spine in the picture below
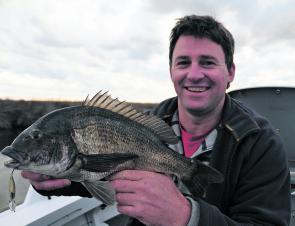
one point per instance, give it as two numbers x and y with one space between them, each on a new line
105 101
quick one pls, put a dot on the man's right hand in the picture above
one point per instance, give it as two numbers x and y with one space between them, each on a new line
44 182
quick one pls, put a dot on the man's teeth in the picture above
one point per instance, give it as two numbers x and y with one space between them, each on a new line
196 89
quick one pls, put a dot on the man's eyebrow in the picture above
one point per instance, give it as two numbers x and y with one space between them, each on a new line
202 57
208 57
182 57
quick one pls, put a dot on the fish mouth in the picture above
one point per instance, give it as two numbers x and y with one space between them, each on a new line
18 158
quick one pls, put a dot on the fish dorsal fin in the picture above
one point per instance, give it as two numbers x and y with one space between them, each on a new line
105 101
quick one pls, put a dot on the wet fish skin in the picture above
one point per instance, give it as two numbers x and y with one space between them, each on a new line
90 142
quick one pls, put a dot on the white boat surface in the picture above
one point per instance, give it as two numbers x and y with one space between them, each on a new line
38 210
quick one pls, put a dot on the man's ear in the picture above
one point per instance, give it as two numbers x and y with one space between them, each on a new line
231 73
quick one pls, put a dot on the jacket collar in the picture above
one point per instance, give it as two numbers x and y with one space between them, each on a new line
238 119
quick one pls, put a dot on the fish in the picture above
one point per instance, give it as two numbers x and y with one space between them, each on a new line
88 143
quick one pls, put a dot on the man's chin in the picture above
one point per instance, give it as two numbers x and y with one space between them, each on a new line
194 108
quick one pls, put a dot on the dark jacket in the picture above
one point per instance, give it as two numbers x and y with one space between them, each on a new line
250 155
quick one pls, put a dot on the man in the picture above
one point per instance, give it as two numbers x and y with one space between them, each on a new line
215 129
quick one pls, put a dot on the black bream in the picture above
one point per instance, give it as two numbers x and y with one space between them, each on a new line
90 142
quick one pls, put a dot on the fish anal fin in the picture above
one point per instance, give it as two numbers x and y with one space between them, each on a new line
104 162
101 190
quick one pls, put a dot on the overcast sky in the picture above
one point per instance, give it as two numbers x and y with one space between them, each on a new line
66 49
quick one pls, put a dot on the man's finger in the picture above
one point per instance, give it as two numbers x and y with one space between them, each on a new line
134 175
53 184
34 176
124 186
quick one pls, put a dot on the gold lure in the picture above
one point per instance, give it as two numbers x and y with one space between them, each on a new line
12 190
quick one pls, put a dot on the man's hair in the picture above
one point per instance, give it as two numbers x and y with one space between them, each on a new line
203 27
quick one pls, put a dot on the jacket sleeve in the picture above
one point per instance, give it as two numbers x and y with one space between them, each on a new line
261 194
75 189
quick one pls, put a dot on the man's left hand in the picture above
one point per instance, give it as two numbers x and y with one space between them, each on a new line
150 197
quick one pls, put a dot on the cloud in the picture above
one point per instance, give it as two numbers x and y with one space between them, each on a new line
268 66
65 49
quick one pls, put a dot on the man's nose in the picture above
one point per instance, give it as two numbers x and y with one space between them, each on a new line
195 72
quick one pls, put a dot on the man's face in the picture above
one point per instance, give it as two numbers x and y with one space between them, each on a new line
199 74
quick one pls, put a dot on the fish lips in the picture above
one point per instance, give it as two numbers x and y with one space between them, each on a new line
18 157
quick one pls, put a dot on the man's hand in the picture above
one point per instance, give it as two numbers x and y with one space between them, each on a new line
151 198
43 182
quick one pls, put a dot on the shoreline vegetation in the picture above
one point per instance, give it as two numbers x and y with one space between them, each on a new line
15 116
20 113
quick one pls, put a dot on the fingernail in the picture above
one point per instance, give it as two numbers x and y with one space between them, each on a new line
45 177
68 183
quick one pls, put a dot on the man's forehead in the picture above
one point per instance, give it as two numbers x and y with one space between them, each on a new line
191 41
188 46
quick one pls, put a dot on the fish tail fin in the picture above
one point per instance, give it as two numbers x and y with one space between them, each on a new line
199 176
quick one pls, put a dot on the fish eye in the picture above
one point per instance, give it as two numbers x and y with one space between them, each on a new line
26 137
35 134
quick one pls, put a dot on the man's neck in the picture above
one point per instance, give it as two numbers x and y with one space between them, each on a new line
199 124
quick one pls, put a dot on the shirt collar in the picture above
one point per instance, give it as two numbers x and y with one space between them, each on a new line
207 144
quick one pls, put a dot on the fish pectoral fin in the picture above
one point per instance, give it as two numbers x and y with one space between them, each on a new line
101 190
104 162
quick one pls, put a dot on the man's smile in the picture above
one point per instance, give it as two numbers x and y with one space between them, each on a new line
197 89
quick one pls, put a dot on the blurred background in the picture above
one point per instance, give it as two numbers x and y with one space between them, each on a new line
66 49
53 53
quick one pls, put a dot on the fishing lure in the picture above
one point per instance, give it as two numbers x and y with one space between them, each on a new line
12 191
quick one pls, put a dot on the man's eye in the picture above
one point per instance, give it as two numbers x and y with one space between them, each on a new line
182 62
207 63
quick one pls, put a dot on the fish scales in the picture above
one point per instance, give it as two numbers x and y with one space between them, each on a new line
127 136
109 135
115 139
88 143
